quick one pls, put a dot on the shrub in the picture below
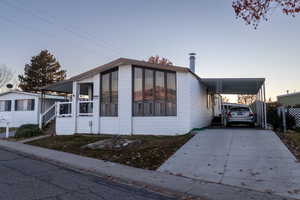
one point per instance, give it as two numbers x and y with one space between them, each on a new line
273 118
28 130
290 121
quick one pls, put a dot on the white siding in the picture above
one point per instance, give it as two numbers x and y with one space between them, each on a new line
109 125
125 99
168 125
64 126
85 124
18 118
200 114
192 111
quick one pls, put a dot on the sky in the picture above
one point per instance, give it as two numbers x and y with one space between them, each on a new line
85 34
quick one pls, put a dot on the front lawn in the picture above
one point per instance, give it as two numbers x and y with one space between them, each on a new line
149 154
292 141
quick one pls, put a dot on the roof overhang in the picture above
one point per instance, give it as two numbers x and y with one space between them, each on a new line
62 86
248 86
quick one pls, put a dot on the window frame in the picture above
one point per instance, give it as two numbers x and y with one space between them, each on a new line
154 91
31 110
10 107
116 69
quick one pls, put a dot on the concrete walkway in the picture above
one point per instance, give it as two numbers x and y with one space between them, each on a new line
249 158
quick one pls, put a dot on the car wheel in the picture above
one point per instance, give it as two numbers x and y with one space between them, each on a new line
252 125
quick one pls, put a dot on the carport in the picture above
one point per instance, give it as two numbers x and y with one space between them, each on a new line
242 86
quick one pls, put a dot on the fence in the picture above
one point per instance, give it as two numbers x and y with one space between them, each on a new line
295 112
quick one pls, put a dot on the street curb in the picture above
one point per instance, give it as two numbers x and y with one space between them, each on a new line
141 177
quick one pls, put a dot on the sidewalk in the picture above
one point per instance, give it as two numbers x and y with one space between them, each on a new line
153 179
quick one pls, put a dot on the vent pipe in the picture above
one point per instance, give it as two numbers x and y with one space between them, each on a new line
192 61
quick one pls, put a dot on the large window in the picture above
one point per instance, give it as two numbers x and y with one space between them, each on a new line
24 105
109 93
5 105
154 92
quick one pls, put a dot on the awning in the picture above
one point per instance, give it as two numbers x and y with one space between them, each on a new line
250 86
62 86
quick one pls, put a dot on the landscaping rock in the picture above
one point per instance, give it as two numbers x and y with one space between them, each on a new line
112 144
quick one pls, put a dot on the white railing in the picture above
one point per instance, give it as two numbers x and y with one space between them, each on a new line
64 109
85 108
48 116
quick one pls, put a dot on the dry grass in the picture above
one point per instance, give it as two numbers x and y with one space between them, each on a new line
150 154
292 141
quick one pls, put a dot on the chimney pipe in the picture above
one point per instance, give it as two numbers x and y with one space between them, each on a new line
192 61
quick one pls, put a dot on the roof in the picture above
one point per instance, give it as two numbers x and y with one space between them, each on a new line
235 104
118 63
32 94
290 94
66 86
216 85
234 85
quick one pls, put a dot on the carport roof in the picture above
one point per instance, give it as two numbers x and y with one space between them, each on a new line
234 85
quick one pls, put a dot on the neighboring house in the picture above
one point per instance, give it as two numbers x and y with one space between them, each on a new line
292 100
129 96
18 108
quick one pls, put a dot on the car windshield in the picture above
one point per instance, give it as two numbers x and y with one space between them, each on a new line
239 109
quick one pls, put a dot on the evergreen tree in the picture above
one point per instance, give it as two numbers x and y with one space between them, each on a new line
43 70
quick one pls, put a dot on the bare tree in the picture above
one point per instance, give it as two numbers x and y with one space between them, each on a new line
253 11
7 76
157 60
246 99
225 99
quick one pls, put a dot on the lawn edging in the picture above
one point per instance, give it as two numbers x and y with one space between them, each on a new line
146 178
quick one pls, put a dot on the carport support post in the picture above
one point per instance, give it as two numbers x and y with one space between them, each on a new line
282 111
7 130
261 108
265 106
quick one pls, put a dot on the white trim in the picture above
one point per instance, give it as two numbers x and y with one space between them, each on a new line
47 96
85 114
63 115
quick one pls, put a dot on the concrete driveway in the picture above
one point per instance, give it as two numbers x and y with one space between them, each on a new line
250 158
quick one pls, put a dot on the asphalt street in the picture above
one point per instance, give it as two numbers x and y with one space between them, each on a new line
25 178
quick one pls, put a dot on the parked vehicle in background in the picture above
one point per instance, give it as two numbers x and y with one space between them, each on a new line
241 115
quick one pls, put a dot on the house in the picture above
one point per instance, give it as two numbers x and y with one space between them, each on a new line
129 96
18 108
291 100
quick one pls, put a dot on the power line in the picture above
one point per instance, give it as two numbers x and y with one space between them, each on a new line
18 25
67 29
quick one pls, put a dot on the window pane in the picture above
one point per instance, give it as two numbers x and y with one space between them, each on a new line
160 93
109 94
138 92
171 94
114 94
8 105
2 106
30 104
148 93
154 93
105 97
